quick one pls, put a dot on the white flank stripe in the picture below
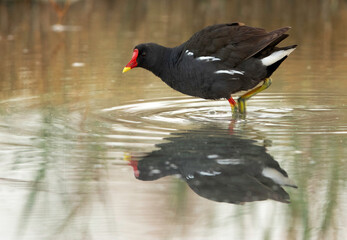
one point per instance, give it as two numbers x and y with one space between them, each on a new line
277 177
213 173
276 56
207 59
229 161
231 72
190 176
189 53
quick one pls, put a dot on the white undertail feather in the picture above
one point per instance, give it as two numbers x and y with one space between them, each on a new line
277 177
276 56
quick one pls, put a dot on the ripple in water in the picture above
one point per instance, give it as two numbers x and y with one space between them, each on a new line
145 122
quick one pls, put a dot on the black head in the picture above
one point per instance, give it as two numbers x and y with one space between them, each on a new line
146 55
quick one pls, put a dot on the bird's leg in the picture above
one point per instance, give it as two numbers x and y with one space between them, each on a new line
242 100
233 104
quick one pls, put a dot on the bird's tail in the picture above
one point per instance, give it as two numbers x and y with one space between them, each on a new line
278 177
274 60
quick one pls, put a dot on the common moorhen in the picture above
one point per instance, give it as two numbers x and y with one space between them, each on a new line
217 165
217 61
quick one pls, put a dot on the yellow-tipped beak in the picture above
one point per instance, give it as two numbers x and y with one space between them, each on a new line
126 69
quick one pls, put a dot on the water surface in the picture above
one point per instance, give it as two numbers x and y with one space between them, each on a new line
72 126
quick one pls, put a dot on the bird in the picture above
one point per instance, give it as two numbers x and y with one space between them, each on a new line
217 61
222 167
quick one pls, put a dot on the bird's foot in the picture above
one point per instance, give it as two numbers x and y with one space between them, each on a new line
241 102
234 109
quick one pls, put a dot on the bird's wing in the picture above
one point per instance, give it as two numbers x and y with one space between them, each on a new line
232 43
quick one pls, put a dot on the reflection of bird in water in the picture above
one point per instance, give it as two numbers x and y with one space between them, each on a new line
217 166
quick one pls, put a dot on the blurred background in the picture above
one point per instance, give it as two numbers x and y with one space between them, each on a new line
70 121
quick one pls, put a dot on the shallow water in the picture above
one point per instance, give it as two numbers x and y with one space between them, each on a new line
91 153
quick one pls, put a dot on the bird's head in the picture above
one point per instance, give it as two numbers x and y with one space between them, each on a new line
145 55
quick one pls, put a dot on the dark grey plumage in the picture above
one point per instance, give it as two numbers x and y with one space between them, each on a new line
217 61
220 166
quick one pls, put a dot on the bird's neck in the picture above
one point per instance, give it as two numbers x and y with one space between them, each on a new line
166 60
162 61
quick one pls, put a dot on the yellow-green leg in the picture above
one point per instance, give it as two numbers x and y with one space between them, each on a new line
242 100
